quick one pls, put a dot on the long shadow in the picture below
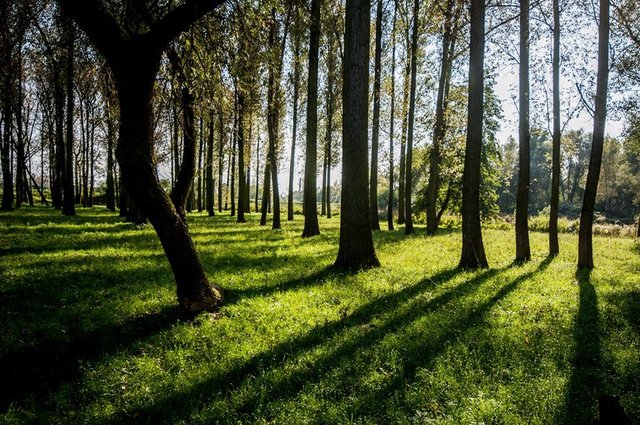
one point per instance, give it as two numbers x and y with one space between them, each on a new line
38 370
235 295
586 376
234 378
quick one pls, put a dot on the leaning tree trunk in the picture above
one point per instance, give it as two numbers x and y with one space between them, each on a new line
311 227
554 247
375 131
523 250
136 157
356 250
585 247
408 175
187 172
473 255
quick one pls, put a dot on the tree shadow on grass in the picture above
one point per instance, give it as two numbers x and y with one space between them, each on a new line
585 382
39 370
366 335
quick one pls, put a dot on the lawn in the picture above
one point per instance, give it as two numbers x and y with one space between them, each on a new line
90 333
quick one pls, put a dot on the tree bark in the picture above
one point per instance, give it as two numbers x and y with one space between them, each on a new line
187 172
585 246
209 170
554 247
523 250
356 250
408 219
375 131
200 154
242 181
473 255
220 155
405 120
110 193
294 131
68 200
233 158
392 117
433 188
311 227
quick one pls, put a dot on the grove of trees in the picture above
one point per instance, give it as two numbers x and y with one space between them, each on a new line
157 109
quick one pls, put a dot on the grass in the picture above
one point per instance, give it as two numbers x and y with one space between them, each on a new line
90 333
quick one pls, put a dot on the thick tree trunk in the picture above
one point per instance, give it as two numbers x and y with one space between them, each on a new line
68 200
311 227
123 204
408 219
392 117
375 131
554 247
473 255
138 167
523 250
356 250
585 248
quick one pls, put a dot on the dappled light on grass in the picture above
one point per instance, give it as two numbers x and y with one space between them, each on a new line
415 340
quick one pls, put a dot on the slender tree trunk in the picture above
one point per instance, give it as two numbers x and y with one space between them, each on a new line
233 158
523 250
392 116
356 250
408 219
200 153
585 248
20 153
60 162
111 193
184 182
375 131
323 208
311 227
68 204
554 247
266 192
257 173
273 114
405 120
220 155
433 188
7 112
209 169
473 255
294 132
242 181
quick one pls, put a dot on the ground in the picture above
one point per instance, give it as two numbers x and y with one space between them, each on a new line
90 333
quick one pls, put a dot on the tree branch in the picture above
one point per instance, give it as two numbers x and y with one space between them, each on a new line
180 19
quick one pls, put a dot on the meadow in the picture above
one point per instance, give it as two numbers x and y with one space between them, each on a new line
90 332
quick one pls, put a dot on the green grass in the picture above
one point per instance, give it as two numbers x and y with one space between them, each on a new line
90 333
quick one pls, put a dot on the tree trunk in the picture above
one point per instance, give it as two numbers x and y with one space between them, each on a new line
375 131
523 250
408 219
311 227
433 188
68 204
110 193
257 173
266 192
585 248
187 172
137 164
200 154
554 247
220 156
233 158
7 177
20 153
242 181
209 170
323 208
294 132
392 117
356 250
403 138
473 255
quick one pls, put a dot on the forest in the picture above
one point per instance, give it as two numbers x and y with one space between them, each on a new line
320 211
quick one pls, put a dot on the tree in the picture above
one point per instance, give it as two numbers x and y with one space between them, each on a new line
408 177
294 131
356 250
554 248
311 227
68 198
585 248
392 116
473 255
375 131
523 251
134 56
